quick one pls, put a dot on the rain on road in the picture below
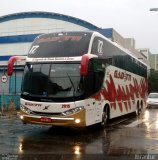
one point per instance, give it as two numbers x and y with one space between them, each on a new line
127 138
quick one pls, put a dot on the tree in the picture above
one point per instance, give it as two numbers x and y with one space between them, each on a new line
153 81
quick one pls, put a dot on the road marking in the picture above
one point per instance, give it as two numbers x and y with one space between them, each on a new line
135 123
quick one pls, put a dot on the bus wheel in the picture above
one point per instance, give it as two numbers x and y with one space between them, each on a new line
142 105
138 109
105 116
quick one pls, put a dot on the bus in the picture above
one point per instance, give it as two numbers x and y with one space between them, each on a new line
79 79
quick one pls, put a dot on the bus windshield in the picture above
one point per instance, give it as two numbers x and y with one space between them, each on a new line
52 80
60 45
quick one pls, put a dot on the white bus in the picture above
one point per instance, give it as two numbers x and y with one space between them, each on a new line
79 79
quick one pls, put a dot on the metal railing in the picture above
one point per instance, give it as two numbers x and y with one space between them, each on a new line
9 104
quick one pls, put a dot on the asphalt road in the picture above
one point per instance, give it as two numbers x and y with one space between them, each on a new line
130 137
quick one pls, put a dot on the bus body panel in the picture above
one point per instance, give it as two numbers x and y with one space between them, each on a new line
47 107
55 121
122 91
55 111
43 109
125 90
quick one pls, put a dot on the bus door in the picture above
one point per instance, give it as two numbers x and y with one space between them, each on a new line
94 83
97 105
99 73
93 71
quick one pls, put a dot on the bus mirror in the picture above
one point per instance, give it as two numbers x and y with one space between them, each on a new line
84 63
11 62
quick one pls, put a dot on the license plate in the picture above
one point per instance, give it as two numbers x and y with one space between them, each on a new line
46 119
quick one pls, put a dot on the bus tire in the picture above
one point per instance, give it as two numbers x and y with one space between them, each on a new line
138 109
142 105
105 116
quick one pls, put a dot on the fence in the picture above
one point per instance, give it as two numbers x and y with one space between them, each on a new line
8 102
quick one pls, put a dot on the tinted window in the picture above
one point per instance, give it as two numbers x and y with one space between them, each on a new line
60 45
153 95
130 64
104 48
53 81
95 77
117 57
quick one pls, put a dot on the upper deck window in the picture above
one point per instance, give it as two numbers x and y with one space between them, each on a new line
60 45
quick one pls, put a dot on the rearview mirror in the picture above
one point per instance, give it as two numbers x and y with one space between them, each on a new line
11 62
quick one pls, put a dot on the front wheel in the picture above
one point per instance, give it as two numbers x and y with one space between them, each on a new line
105 117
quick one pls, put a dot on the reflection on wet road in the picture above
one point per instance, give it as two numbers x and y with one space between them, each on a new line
123 137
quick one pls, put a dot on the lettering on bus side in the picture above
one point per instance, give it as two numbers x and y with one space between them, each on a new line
32 104
122 75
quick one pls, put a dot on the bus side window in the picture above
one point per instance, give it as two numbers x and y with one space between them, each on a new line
95 77
98 77
99 72
89 84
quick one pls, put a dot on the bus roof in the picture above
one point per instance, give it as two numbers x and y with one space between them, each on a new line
95 33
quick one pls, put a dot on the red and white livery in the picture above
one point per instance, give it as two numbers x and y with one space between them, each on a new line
80 79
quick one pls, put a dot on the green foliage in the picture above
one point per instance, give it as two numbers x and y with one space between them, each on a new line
153 81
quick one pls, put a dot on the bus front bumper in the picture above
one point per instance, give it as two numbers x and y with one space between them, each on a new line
74 120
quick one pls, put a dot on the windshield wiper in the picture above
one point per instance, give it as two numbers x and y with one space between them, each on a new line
71 84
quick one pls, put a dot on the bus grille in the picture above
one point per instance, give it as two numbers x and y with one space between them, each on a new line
45 114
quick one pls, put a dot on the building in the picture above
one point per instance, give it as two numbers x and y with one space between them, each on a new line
152 58
17 31
126 43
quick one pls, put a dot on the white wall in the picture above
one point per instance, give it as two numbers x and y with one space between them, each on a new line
36 25
14 49
31 26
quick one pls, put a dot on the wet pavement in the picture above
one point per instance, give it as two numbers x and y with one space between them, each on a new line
126 138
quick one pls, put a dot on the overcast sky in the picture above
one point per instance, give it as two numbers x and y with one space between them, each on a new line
130 18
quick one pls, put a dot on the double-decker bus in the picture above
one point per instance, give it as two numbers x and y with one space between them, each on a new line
79 79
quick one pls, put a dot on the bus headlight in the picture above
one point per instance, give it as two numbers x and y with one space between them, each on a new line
25 109
72 111
21 117
77 120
